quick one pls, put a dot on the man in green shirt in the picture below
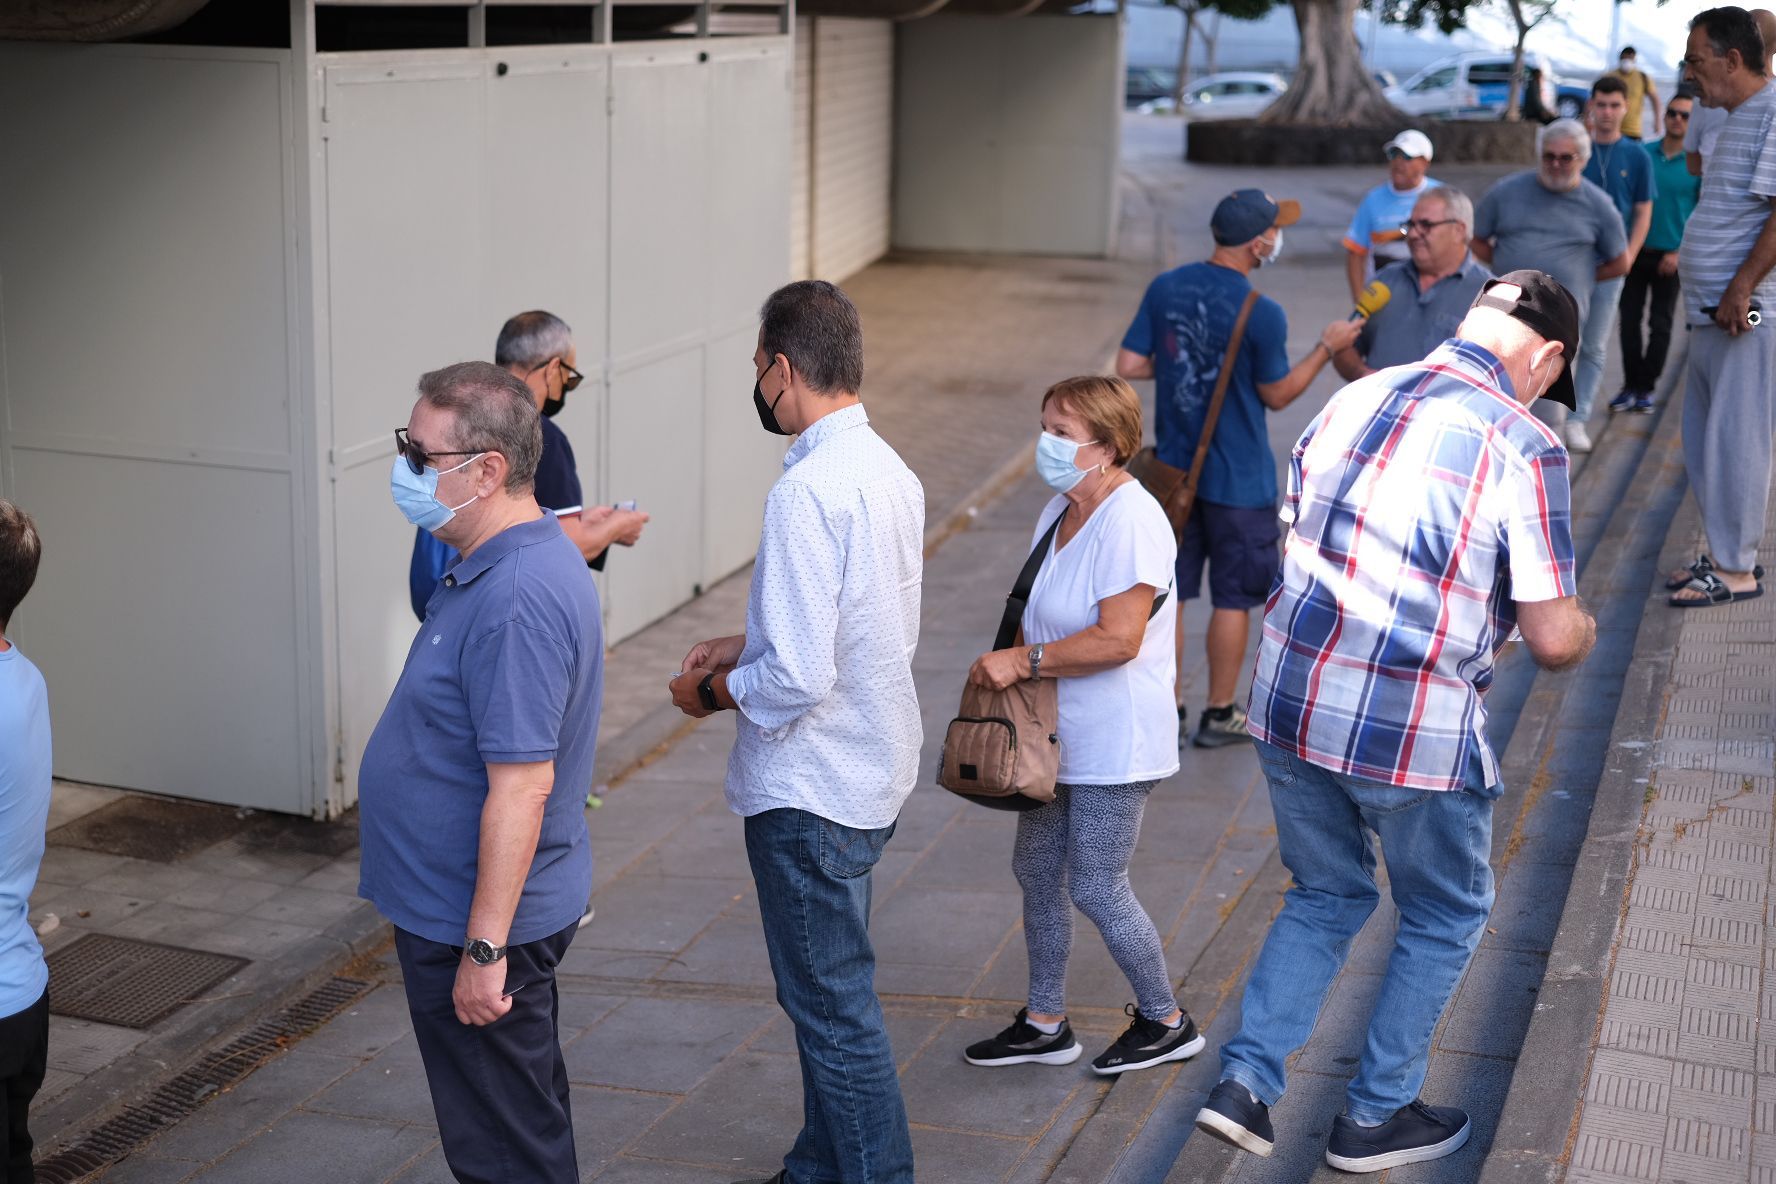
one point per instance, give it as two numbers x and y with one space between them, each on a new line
1654 273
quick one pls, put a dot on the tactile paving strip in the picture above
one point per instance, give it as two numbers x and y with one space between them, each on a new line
133 984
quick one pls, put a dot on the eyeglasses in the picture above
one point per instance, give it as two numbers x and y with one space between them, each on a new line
1673 113
417 458
1425 225
573 377
1559 157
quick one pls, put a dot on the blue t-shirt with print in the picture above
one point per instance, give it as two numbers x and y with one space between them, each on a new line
1185 322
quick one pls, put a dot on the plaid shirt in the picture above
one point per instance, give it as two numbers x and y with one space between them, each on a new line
1425 502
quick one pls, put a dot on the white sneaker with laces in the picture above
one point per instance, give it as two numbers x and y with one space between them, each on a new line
1577 438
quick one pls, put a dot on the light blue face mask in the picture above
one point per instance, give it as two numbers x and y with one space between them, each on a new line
1056 461
416 494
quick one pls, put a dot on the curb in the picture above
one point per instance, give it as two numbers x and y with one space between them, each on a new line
1540 1116
259 990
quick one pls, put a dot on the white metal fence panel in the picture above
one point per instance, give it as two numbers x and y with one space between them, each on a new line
853 143
148 416
405 211
1007 134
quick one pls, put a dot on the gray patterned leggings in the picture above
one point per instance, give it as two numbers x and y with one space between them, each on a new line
1079 846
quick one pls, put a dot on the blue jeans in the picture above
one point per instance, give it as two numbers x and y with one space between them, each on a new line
813 878
1437 845
1594 339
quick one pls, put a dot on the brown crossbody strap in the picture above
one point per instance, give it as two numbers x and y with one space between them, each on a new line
1220 395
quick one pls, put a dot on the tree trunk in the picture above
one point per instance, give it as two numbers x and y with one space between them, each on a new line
1213 36
1183 81
1332 87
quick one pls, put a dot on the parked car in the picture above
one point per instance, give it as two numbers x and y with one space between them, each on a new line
1570 99
1475 86
1232 96
1146 83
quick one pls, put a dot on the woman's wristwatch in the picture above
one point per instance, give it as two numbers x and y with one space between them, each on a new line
1036 660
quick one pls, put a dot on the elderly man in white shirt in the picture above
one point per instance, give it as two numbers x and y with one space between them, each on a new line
827 744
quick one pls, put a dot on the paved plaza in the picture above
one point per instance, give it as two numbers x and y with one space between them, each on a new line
1606 1033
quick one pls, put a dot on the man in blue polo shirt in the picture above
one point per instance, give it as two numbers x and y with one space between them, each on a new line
24 812
1179 338
473 831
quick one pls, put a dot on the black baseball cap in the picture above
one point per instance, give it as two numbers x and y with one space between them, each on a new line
1539 301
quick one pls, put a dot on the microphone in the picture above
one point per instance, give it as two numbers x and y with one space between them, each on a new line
1372 301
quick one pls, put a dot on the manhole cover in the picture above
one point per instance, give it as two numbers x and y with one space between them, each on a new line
134 984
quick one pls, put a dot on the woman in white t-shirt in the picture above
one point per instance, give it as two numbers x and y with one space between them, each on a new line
1092 623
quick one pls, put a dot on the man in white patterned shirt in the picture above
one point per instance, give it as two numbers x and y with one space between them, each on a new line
827 743
1729 250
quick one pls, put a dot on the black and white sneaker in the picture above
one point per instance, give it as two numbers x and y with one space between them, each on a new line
1025 1044
1149 1042
1233 1115
1415 1133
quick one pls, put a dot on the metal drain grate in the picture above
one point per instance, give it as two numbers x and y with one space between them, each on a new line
190 1089
133 984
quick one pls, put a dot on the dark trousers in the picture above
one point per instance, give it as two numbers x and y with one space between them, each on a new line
1641 367
499 1091
24 1055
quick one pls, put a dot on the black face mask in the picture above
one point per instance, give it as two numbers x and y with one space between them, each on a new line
768 411
552 407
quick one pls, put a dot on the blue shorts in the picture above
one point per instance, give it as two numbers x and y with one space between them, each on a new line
1239 544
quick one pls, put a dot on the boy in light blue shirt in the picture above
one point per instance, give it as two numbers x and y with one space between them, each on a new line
24 813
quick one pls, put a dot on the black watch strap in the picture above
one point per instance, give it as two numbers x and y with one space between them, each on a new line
706 692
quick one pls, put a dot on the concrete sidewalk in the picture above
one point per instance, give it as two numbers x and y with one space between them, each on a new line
682 1067
1655 1063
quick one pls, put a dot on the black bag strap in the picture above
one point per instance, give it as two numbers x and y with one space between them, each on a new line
1020 591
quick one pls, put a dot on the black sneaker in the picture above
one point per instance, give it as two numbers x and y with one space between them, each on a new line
1415 1133
1025 1044
1234 1116
1149 1042
1183 724
1218 731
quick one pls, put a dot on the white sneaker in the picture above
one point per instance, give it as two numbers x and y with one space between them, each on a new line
1577 438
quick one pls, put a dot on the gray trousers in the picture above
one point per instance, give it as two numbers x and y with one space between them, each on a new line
1729 416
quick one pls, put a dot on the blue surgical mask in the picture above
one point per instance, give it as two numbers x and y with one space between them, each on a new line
416 494
1056 461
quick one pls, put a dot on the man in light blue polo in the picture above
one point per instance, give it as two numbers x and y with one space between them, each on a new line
1374 239
472 788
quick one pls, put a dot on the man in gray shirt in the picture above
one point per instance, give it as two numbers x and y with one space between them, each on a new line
1555 221
1729 250
1429 292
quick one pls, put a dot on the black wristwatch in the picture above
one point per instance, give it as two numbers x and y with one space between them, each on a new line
706 692
483 952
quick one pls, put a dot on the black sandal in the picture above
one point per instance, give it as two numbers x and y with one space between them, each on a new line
1703 566
1714 592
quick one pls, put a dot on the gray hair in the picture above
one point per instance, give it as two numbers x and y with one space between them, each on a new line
530 339
493 411
1456 205
1566 129
817 328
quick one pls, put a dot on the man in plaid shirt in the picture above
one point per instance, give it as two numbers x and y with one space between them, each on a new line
1429 516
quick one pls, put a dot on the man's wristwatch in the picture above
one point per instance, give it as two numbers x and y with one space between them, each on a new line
483 952
706 692
1036 661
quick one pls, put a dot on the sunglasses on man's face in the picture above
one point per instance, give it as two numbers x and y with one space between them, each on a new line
570 378
1561 158
416 457
1674 113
